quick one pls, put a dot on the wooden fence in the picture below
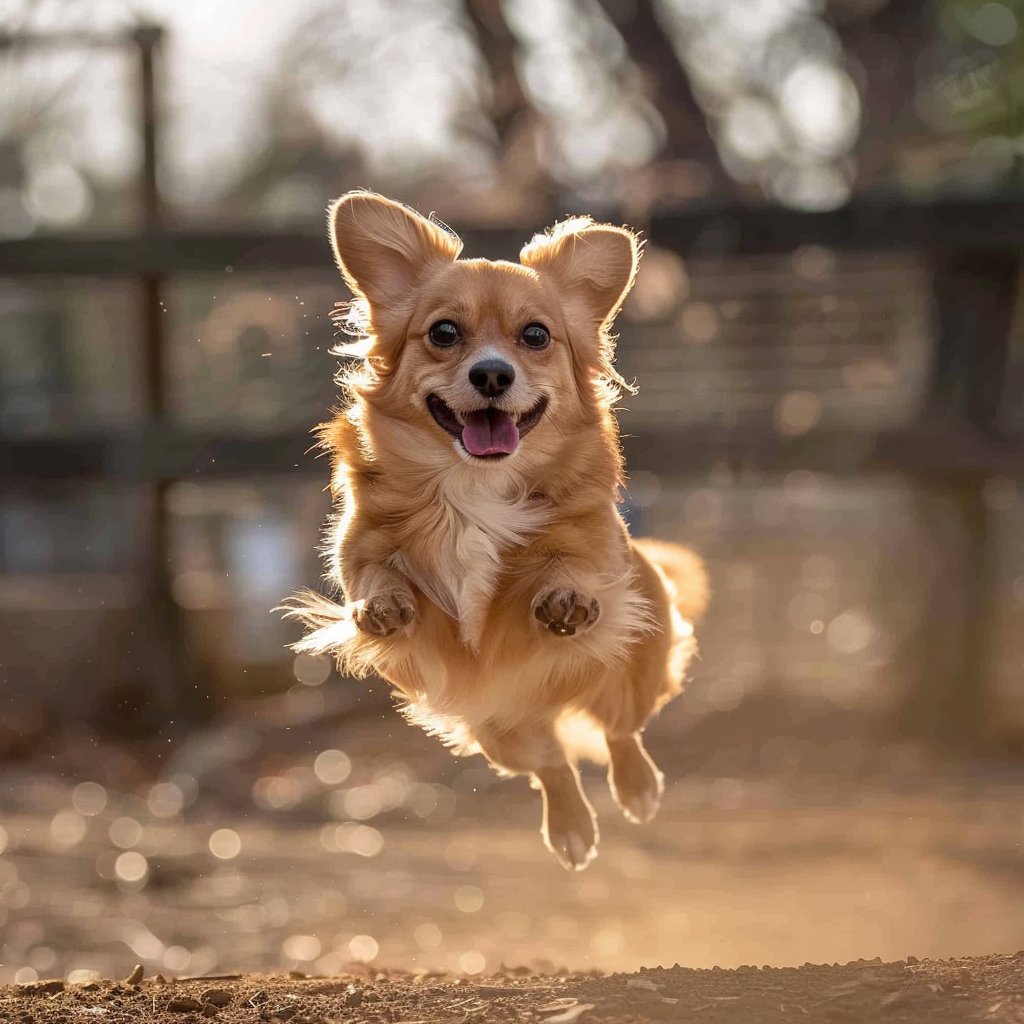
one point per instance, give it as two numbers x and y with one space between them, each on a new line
954 445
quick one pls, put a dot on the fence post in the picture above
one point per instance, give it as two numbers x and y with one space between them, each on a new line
160 627
949 657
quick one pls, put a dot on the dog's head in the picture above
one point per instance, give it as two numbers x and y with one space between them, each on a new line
476 355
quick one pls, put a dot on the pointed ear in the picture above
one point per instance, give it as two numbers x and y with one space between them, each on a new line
593 265
384 251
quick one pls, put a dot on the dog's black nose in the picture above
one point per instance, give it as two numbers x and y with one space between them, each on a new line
492 377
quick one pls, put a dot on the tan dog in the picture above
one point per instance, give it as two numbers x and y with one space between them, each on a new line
486 572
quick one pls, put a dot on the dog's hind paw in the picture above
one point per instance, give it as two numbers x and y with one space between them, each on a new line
574 850
565 612
639 807
385 614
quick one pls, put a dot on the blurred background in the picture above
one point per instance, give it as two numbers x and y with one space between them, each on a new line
829 349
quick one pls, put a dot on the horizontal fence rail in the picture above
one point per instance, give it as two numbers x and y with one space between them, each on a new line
721 230
161 453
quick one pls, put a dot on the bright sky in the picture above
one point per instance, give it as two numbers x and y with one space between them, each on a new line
369 70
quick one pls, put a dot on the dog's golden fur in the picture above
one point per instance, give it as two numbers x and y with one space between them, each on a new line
501 597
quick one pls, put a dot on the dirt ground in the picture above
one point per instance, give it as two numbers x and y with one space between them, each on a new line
253 850
982 989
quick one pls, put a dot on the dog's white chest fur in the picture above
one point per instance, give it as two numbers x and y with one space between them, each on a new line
459 564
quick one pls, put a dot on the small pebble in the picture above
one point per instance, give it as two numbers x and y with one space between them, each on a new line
184 1004
216 996
647 986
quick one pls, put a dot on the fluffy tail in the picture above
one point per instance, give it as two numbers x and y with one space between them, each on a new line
329 625
685 572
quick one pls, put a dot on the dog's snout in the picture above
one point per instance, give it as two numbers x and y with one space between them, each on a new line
492 377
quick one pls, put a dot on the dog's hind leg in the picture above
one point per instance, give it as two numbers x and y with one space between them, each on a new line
653 676
568 827
620 709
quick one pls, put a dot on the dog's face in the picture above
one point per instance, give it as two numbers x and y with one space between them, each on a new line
490 360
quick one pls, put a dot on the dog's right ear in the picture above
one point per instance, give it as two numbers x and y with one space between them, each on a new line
384 250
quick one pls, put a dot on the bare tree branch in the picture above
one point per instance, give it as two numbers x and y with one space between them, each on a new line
498 44
652 50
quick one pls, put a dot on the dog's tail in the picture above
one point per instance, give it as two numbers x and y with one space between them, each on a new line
684 573
329 625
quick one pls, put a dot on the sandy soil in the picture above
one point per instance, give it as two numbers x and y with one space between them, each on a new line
986 988
779 853
448 872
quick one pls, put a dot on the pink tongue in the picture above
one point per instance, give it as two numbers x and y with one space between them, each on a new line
490 432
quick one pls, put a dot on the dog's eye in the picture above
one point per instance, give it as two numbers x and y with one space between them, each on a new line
536 336
444 334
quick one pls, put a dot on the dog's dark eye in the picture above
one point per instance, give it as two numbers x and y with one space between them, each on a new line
536 336
444 334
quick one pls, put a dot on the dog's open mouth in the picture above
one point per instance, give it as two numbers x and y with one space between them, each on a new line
487 433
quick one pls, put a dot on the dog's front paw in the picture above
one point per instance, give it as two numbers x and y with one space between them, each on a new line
385 614
566 612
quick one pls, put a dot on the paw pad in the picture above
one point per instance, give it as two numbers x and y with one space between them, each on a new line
565 612
385 614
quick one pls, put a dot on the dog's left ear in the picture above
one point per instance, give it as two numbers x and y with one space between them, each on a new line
593 265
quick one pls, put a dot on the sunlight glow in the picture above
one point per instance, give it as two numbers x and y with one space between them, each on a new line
770 77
